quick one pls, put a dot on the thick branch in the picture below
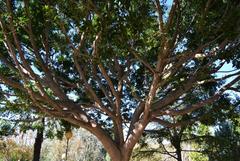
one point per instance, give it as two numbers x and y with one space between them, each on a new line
202 103
160 16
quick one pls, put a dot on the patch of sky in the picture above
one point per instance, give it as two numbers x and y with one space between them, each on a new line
168 4
36 71
225 70
9 97
73 95
135 66
181 46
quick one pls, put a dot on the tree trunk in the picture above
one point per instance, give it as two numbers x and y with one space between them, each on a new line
176 142
179 154
125 158
38 143
115 151
123 155
126 155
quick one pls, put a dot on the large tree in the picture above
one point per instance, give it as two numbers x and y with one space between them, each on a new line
113 67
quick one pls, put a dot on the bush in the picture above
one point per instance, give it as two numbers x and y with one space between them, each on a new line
10 151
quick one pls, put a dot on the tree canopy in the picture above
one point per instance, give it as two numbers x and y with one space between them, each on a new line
113 67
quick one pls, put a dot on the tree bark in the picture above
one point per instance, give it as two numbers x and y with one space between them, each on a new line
177 146
126 154
116 152
38 143
176 142
179 154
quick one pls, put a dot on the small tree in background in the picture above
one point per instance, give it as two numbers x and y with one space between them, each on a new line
198 141
9 150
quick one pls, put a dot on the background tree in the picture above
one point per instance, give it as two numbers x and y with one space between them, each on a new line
16 118
210 138
223 145
117 66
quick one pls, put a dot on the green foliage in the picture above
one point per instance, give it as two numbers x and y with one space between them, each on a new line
198 157
226 145
148 154
123 25
11 151
222 145
6 128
